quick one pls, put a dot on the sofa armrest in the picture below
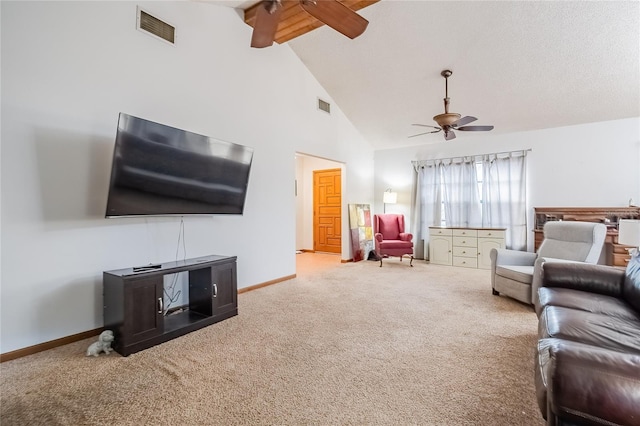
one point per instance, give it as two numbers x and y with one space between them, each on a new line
512 257
405 236
501 257
536 282
583 276
593 385
378 237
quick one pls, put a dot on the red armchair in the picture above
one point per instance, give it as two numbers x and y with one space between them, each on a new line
390 238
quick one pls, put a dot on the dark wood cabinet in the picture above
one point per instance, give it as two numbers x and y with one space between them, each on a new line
225 295
134 301
143 307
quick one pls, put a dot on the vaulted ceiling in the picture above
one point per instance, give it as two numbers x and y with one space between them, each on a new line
518 65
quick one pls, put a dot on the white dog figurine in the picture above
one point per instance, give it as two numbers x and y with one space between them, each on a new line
102 345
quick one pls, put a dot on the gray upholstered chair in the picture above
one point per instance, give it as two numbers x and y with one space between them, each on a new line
517 274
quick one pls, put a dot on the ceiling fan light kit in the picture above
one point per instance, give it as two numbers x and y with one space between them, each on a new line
450 121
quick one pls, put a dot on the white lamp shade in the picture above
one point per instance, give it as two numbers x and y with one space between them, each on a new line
390 197
629 232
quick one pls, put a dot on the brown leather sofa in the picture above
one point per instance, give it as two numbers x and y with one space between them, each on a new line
588 355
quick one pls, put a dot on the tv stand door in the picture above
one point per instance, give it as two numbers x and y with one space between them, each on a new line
143 309
224 291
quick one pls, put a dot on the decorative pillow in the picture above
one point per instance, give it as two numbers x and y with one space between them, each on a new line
631 290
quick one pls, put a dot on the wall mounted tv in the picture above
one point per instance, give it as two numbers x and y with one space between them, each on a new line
159 170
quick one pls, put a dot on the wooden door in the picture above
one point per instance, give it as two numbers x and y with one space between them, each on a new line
327 210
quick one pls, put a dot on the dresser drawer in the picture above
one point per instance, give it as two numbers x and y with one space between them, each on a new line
439 231
465 262
465 233
621 259
465 251
621 249
465 241
490 233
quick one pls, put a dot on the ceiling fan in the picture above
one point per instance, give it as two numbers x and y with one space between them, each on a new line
450 121
330 12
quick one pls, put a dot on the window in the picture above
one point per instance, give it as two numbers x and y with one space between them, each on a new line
479 174
482 191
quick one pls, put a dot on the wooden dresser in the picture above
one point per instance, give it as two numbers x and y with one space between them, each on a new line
615 254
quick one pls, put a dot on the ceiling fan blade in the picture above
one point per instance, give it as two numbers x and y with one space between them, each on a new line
464 120
448 135
264 30
475 128
426 125
337 16
424 133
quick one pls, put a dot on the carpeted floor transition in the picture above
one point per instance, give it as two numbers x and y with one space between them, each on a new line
354 345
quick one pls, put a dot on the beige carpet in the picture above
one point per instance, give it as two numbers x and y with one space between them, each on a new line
352 345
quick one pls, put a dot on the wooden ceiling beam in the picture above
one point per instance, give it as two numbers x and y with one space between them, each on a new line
294 21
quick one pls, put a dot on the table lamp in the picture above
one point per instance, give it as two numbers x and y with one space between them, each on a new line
389 197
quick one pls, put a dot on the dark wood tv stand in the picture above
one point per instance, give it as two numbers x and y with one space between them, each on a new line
134 301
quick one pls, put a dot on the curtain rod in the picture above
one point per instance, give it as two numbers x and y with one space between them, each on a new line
422 162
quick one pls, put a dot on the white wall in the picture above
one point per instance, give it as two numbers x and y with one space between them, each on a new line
591 165
65 80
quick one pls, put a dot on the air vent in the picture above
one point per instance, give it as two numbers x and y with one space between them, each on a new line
324 106
156 27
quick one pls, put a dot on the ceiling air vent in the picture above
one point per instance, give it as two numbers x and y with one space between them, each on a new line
324 106
156 27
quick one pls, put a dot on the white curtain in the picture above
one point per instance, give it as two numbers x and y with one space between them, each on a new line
461 197
426 205
452 184
416 215
504 196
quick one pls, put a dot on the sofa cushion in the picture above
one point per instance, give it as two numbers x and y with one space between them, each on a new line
584 301
523 274
585 384
599 279
631 287
389 227
581 241
620 334
395 244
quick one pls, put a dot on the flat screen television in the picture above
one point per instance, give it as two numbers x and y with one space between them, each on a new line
159 170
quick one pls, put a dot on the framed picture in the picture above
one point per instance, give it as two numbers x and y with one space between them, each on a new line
361 231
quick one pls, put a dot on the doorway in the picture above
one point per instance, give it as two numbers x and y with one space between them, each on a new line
306 239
